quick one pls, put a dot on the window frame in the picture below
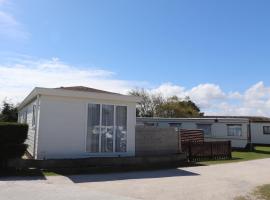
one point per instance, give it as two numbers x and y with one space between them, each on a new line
25 113
149 124
228 126
198 124
172 124
100 124
34 114
264 132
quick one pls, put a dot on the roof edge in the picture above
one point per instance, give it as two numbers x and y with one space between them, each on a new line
77 94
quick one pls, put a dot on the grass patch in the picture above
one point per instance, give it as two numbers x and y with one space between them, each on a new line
263 192
260 193
260 152
49 173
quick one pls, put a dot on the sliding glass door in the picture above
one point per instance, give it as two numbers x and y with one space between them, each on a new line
106 128
93 128
121 129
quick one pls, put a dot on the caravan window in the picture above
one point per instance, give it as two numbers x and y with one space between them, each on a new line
234 129
34 115
266 130
206 128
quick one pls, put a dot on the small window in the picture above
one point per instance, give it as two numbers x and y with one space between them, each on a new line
177 125
25 117
19 118
149 124
206 128
266 130
234 129
34 115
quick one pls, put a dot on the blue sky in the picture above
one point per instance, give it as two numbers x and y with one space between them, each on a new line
217 52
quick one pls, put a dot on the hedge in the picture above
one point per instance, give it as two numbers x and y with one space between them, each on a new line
13 133
12 138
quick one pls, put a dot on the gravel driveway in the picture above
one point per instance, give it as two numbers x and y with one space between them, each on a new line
224 181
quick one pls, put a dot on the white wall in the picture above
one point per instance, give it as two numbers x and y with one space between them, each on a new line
220 133
257 135
32 129
63 127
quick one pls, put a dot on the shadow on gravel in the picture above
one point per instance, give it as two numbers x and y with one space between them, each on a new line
130 175
21 175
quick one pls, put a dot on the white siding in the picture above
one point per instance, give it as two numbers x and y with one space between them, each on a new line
219 132
32 129
63 126
257 135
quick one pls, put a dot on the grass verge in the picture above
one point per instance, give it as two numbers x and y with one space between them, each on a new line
260 152
260 193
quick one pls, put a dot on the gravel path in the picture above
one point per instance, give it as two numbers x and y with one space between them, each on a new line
223 182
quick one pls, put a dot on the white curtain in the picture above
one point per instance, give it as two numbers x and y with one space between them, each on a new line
121 129
93 126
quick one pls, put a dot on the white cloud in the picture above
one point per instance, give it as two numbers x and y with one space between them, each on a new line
168 90
214 101
201 94
19 78
205 93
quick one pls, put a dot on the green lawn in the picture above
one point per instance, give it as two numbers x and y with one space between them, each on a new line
237 156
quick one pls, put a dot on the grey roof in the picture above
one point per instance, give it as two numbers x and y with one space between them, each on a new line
251 118
259 119
86 89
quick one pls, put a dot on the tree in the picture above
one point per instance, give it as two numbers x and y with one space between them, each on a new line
154 105
147 106
9 113
174 107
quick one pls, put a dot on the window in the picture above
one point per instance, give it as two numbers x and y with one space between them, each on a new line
121 129
106 128
234 129
24 117
149 124
93 128
206 128
177 125
20 118
34 115
266 130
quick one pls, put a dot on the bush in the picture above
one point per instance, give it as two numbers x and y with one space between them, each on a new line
12 138
13 133
12 151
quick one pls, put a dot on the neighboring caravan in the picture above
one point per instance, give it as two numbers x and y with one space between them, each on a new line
239 130
77 122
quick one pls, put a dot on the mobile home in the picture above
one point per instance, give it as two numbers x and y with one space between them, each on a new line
77 122
239 130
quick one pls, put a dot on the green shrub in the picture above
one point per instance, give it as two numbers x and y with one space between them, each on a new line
12 138
10 151
13 133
